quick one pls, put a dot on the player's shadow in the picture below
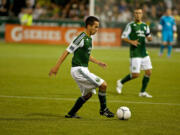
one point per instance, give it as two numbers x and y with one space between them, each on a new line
35 117
45 115
51 117
129 94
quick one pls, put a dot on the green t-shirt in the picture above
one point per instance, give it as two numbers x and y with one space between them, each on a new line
135 31
81 46
26 19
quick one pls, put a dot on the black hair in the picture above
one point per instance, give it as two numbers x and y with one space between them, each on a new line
137 8
90 20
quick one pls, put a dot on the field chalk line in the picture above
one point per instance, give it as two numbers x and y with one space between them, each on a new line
73 99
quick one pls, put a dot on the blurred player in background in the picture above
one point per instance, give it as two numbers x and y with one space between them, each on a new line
167 27
27 18
135 34
81 48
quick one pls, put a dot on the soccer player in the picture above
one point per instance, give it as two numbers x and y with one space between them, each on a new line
81 47
167 27
135 34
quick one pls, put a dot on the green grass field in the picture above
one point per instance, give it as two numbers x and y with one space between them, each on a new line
31 103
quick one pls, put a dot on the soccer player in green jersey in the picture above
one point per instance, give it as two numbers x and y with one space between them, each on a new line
135 34
81 47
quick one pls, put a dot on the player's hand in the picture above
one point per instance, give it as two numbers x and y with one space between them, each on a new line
175 35
159 34
135 42
149 38
104 65
53 71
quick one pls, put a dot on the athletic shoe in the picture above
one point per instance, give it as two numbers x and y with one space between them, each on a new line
72 116
169 56
119 87
145 94
106 113
160 54
93 91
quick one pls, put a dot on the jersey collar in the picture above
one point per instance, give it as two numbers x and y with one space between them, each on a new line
138 22
87 35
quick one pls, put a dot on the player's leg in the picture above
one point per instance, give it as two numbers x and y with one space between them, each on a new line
162 48
146 66
87 82
169 50
135 70
102 99
145 80
94 82
102 95
164 39
78 104
170 44
79 75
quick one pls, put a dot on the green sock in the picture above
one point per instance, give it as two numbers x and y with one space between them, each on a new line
80 101
102 99
126 78
144 83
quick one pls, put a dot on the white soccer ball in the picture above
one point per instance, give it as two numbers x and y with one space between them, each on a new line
123 113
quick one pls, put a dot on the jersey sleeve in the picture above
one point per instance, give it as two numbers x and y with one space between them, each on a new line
73 46
174 25
161 21
76 43
148 32
126 31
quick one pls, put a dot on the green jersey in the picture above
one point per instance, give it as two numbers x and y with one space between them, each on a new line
81 46
135 31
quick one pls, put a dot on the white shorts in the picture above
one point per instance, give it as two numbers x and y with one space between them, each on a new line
138 64
86 80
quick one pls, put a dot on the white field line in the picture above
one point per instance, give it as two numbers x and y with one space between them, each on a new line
73 99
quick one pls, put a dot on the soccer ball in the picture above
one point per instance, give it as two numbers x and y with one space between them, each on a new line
123 113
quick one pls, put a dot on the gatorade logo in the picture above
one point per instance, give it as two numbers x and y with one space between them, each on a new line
19 34
97 80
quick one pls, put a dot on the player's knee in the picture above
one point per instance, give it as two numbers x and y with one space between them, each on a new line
148 73
164 43
86 97
103 86
135 75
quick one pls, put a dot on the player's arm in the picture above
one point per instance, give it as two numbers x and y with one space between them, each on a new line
174 29
23 20
125 36
159 31
148 34
94 60
71 48
55 69
175 34
149 38
132 42
160 25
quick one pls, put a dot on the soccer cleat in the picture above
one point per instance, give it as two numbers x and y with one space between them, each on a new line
72 116
119 87
106 113
145 94
160 54
169 56
93 91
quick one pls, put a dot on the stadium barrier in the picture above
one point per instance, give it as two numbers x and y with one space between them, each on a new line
71 23
58 35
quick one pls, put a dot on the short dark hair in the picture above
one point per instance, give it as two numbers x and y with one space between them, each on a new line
90 20
137 8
